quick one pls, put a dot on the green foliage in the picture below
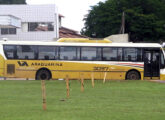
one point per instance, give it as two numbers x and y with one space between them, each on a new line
144 19
114 100
12 1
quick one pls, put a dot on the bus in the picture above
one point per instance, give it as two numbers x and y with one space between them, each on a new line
55 60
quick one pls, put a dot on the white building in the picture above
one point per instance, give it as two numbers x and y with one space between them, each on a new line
29 22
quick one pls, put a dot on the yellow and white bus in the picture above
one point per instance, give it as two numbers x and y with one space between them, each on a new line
55 60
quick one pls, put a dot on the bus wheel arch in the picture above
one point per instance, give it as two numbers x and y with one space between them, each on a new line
133 74
43 74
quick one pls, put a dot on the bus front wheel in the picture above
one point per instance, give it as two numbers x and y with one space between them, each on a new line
43 74
133 75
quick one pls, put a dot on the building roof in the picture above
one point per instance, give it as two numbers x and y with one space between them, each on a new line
69 33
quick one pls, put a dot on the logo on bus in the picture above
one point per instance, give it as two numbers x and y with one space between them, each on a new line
22 63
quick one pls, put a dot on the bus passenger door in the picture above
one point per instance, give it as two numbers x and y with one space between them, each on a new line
151 64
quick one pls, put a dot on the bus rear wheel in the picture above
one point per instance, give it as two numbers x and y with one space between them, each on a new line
43 74
133 75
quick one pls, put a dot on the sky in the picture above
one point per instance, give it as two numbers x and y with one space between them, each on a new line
72 10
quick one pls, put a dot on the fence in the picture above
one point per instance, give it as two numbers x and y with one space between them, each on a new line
68 86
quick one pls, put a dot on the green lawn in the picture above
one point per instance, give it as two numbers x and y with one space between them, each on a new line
114 100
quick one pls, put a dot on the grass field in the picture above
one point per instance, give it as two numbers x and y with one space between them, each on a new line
114 100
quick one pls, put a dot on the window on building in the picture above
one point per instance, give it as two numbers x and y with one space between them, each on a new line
40 26
8 31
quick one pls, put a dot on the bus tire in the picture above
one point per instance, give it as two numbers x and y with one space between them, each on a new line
43 74
133 75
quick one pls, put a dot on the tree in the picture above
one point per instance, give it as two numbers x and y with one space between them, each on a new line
144 19
12 1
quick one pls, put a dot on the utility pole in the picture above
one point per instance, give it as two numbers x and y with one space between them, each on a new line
122 29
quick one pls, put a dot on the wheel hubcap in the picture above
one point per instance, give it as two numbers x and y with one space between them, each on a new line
43 76
133 77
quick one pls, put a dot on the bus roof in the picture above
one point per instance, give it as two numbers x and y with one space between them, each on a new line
84 40
81 44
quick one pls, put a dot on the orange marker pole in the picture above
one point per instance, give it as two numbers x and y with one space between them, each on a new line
93 83
105 75
67 86
82 83
43 94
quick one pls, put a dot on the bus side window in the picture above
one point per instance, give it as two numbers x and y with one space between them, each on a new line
69 53
132 54
129 58
90 53
139 54
46 57
47 53
119 54
26 52
10 51
110 54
